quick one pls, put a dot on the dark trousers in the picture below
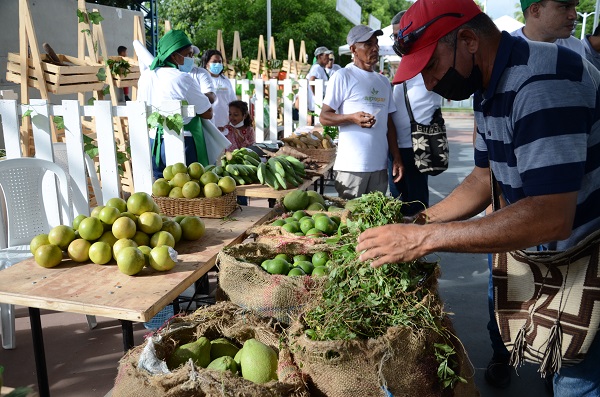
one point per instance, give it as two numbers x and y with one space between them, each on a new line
412 189
190 156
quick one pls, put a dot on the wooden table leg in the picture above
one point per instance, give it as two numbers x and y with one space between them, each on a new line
39 352
127 328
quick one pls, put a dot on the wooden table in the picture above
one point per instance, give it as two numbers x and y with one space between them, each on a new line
104 291
264 191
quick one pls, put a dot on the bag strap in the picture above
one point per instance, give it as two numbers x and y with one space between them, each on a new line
408 108
495 193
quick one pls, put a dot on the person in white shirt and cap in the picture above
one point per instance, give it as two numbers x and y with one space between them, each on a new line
317 71
359 100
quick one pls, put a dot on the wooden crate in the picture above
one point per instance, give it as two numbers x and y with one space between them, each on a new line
132 77
78 76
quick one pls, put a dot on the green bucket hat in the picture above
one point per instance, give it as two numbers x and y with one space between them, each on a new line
168 44
526 3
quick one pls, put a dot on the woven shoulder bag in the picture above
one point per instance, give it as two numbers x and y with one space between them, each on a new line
547 303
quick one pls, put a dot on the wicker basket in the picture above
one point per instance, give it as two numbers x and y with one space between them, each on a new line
213 207
320 155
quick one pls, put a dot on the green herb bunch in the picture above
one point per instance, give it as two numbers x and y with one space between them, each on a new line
361 302
119 67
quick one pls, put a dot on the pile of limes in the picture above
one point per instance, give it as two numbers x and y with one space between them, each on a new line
301 223
181 181
298 265
131 232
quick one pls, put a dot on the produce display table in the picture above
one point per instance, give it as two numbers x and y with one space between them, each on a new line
104 291
264 191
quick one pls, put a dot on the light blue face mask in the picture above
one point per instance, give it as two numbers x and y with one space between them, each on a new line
188 63
215 68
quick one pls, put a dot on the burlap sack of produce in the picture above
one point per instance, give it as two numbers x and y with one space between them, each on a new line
401 361
246 284
143 372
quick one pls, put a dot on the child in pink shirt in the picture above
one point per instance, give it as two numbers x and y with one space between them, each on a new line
239 131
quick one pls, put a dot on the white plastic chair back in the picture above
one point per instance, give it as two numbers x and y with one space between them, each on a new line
21 180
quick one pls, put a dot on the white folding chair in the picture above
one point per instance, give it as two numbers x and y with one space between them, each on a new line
24 215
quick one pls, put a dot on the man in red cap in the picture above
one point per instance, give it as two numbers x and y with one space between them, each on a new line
537 111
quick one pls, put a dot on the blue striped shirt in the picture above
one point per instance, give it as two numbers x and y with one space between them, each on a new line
538 126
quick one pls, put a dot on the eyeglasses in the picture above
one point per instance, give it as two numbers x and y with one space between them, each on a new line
403 44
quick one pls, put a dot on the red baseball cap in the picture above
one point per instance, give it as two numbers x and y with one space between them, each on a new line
441 18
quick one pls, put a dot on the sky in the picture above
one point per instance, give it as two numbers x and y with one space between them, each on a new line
498 8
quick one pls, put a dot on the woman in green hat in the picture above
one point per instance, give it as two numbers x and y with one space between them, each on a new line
168 79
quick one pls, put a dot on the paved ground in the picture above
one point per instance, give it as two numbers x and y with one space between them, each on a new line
83 362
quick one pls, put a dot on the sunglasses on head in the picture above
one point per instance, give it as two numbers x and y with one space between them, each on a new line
403 43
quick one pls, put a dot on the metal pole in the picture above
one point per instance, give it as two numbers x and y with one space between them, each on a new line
596 15
268 28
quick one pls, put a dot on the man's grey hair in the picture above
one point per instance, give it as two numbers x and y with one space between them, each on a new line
396 19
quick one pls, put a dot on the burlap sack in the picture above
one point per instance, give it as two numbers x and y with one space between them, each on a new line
401 361
221 320
249 286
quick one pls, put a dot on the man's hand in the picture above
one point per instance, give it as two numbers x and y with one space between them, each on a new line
391 244
397 169
364 119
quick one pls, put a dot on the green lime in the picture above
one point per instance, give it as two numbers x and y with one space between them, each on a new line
299 215
306 225
320 258
336 219
320 271
278 266
296 271
265 263
306 266
290 220
278 222
285 257
298 258
326 225
314 232
317 215
291 227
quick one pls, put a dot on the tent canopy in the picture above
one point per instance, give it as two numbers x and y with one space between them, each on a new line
508 23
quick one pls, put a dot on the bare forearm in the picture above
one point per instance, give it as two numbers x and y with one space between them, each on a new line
469 198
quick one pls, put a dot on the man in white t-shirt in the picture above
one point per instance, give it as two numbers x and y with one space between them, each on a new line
551 21
331 66
317 71
359 101
203 78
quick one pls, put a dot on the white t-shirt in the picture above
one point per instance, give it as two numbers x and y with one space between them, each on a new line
570 42
422 102
159 85
318 72
225 93
203 78
352 90
333 69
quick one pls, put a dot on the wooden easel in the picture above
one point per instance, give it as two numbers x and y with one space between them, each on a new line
28 42
221 46
290 65
256 65
271 54
167 26
237 47
302 56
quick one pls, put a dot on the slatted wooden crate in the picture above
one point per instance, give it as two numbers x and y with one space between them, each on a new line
72 77
132 77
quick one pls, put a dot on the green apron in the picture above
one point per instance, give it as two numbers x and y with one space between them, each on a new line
195 127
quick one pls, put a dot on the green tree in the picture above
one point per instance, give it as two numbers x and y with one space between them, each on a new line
314 21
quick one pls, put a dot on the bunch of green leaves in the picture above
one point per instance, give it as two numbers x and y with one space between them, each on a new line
373 209
119 67
93 17
173 122
241 66
271 64
444 355
331 131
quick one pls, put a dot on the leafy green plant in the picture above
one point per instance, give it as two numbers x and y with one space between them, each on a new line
119 67
271 64
241 66
361 302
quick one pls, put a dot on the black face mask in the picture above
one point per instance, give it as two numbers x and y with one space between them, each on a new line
456 87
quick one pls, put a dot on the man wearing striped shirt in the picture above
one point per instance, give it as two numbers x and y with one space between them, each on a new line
537 108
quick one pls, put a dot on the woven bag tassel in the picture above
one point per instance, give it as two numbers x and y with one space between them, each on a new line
517 353
552 359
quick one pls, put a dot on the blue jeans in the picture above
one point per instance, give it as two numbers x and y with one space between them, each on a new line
500 351
413 185
190 156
